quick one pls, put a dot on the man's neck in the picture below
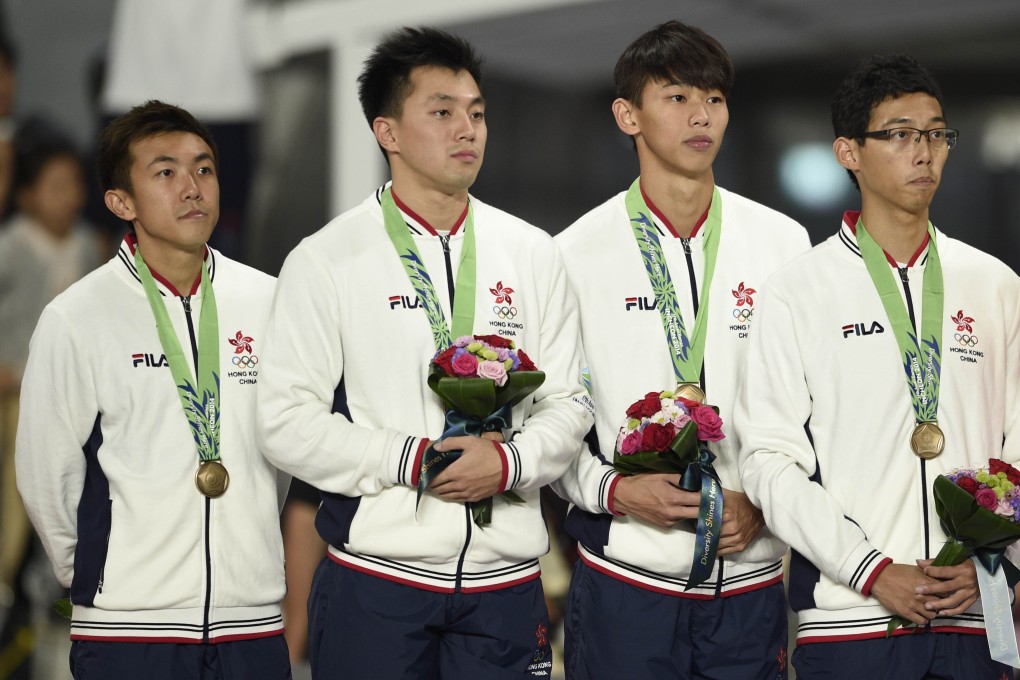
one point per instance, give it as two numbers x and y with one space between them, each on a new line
439 209
178 267
898 233
681 200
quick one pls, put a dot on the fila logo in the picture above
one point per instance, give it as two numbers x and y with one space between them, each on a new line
859 329
149 360
404 301
641 303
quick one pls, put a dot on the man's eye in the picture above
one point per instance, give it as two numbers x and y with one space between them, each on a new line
899 134
679 98
166 172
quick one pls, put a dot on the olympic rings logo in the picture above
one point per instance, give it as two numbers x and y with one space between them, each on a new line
966 340
742 314
245 361
504 312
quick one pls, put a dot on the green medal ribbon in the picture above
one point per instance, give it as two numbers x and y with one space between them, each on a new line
201 402
686 352
687 355
922 361
434 462
414 266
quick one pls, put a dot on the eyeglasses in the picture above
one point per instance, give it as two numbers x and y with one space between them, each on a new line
904 138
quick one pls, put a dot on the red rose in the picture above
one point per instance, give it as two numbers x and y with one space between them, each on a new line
646 407
656 437
689 405
444 360
497 341
968 485
525 362
995 466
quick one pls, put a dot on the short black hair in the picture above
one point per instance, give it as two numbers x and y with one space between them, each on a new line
674 53
151 119
872 81
36 143
385 80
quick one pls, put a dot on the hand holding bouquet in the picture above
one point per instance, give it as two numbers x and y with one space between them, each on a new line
980 513
479 378
667 433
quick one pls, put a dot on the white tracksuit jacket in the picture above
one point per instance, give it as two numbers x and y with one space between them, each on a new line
853 496
106 463
627 356
344 402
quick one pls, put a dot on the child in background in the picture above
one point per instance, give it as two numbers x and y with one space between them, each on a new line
44 248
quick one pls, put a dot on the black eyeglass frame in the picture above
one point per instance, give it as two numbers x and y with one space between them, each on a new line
952 134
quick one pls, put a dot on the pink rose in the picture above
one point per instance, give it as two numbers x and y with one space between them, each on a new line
709 423
493 370
987 499
1004 509
631 443
465 365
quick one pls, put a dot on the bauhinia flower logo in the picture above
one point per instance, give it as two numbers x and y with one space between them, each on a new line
502 294
743 295
241 343
963 323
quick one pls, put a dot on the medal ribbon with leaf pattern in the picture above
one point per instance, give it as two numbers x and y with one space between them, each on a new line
922 361
414 266
200 398
686 352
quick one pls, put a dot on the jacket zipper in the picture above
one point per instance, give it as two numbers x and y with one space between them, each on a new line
445 240
186 302
924 468
686 243
102 570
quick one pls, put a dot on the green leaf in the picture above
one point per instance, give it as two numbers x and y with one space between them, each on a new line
63 608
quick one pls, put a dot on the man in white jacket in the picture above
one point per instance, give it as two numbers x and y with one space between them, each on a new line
635 609
888 355
361 308
136 453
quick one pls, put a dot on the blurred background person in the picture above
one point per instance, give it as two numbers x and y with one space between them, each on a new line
194 54
45 246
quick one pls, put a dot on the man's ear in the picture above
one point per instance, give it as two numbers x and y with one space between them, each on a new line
385 131
120 203
623 112
847 152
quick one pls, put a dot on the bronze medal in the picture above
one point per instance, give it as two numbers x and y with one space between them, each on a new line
212 478
927 440
691 391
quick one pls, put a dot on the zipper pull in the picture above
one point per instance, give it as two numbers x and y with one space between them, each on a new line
903 275
445 239
687 245
186 301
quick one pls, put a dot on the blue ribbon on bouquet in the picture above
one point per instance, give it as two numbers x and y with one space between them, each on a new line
459 424
701 477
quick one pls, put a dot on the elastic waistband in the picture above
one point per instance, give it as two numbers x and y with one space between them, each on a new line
440 578
739 578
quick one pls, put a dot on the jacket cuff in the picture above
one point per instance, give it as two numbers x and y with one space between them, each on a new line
511 459
866 590
405 457
862 567
505 474
609 482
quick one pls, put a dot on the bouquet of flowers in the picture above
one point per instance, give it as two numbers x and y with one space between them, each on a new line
479 378
665 432
980 513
